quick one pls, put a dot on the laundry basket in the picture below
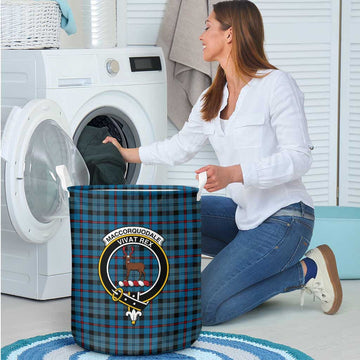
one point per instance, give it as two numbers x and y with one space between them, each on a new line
27 24
136 268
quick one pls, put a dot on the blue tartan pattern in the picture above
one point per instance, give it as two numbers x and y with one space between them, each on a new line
172 320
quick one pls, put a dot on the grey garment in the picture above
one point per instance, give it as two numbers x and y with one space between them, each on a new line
105 163
188 75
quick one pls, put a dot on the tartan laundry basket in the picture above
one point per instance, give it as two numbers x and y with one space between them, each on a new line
136 268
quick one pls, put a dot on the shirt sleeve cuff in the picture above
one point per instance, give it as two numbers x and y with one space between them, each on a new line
250 176
144 155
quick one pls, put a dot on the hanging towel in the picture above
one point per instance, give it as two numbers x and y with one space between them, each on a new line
188 75
105 163
67 17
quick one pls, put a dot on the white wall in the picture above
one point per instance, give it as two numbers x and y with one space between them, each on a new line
76 40
139 22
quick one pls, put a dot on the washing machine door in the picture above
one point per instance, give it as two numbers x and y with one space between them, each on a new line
40 162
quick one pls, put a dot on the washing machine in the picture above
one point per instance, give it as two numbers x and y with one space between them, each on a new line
48 98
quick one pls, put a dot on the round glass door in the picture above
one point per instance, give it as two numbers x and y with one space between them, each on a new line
41 161
51 149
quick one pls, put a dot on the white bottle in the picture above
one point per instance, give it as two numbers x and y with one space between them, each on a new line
99 23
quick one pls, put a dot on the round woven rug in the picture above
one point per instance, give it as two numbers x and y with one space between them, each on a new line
209 346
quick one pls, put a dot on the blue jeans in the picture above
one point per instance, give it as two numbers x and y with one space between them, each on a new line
249 266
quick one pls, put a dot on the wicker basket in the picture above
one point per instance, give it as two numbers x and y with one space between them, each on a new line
27 24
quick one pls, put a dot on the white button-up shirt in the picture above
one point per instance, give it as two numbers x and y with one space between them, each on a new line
266 134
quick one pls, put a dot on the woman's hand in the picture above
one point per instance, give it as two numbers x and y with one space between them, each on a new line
218 177
129 155
113 141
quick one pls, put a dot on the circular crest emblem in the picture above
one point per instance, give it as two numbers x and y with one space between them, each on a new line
133 267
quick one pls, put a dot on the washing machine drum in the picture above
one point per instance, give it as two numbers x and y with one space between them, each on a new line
41 161
105 163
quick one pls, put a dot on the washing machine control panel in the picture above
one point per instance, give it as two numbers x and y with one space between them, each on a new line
145 63
112 67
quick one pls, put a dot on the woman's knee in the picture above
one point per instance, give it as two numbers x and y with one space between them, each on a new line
212 297
208 313
218 206
217 221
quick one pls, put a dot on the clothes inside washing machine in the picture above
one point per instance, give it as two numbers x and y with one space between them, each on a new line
114 128
105 163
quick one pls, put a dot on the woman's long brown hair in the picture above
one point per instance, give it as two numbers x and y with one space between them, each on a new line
247 49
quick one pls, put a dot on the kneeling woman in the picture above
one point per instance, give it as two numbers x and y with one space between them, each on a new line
253 116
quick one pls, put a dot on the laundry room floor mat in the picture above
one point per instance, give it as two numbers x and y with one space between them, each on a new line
209 346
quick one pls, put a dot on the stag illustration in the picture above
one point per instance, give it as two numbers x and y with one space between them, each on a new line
133 266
